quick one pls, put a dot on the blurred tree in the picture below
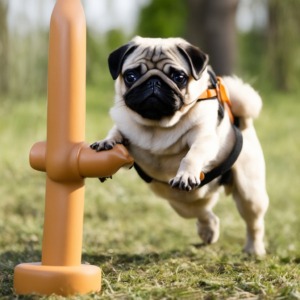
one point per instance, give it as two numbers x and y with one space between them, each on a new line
163 19
284 43
3 47
211 26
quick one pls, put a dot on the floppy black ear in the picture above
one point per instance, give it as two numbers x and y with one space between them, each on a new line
196 58
117 57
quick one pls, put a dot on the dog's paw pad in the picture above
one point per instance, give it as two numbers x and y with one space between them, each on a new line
103 145
185 182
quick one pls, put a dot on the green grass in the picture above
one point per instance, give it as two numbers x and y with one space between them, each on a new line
145 250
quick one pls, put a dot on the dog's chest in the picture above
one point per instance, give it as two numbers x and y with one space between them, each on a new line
155 141
158 153
162 165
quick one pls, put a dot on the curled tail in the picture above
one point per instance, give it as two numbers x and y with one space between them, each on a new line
246 102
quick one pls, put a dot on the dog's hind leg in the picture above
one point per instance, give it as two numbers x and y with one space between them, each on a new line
208 226
207 222
249 192
253 211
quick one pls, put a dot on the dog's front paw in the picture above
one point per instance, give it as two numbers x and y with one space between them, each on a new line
103 145
185 181
107 144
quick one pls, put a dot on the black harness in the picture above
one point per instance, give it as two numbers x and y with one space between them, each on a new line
224 169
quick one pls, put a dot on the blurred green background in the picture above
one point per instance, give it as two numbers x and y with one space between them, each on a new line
258 39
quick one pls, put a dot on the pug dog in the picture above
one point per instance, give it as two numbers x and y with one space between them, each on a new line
189 132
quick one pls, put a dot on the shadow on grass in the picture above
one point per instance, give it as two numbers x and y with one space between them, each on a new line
126 261
8 261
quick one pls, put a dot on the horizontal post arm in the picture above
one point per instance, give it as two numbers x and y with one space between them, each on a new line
84 161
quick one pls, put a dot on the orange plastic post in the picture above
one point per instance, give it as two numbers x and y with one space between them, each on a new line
67 160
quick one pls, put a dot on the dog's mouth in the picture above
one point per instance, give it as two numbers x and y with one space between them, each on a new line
154 99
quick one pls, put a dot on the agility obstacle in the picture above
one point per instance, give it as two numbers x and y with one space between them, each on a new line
67 160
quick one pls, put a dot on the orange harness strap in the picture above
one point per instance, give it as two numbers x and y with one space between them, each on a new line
220 92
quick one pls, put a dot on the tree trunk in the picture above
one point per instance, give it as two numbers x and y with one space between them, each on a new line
3 47
211 26
283 43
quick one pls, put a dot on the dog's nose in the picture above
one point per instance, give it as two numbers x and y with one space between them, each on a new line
154 82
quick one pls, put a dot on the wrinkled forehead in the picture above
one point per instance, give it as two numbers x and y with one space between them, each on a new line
161 57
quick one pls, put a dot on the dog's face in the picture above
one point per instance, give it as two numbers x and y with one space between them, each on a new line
155 77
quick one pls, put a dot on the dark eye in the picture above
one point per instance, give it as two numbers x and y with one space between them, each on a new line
180 78
130 77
